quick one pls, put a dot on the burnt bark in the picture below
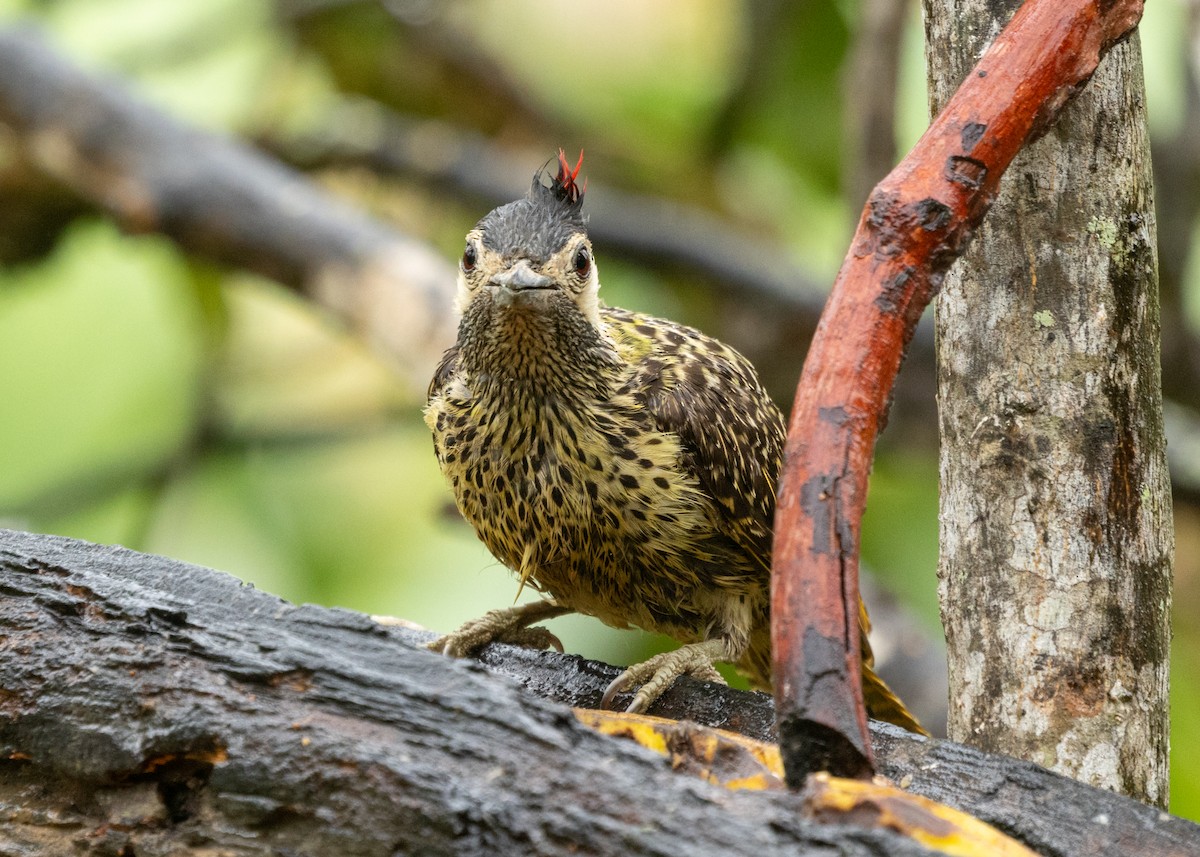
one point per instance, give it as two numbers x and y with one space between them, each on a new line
152 707
1056 537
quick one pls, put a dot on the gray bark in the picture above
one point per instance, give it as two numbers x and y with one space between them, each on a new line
149 707
155 709
1056 536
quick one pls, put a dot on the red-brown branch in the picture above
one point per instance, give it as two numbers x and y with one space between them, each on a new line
916 222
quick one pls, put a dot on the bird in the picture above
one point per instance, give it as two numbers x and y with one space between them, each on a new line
622 465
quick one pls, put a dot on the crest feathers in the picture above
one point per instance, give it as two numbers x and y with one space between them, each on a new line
564 184
564 189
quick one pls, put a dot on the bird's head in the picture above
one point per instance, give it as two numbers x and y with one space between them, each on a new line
534 254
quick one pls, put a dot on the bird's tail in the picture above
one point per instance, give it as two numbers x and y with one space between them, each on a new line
881 701
883 704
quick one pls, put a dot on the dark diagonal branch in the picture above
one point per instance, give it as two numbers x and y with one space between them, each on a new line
423 57
916 223
223 200
656 231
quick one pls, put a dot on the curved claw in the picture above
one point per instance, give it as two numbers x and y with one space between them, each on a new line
617 685
537 637
509 625
659 672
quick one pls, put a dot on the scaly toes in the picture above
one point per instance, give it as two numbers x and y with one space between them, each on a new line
537 637
448 644
659 672
504 626
474 634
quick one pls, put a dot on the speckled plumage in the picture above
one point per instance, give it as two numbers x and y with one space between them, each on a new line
623 465
584 467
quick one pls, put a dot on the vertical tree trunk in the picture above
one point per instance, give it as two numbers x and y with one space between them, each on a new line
1056 538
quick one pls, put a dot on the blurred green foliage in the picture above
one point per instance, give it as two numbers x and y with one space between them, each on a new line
155 401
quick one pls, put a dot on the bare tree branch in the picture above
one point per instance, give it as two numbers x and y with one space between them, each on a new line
1177 197
654 230
917 222
208 715
222 200
417 56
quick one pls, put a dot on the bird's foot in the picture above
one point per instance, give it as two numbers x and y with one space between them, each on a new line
656 674
509 625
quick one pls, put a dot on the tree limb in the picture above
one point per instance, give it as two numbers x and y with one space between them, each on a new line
870 82
152 707
1177 198
918 220
159 707
220 199
659 232
425 57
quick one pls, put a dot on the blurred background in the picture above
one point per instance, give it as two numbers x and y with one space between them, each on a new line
210 402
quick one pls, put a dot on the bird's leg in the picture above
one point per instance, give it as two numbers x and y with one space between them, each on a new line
656 674
509 625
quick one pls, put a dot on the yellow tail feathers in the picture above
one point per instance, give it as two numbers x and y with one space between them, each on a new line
882 703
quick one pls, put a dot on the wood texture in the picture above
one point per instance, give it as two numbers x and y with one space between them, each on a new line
154 708
915 224
1056 529
150 707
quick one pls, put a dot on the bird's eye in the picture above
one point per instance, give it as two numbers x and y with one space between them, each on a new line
468 258
583 262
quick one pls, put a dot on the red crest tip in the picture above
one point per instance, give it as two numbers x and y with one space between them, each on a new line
566 177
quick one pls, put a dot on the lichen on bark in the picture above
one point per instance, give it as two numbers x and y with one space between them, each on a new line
1056 540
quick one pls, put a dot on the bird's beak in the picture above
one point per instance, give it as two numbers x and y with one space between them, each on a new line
521 277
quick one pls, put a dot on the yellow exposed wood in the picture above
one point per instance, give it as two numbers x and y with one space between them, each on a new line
737 762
